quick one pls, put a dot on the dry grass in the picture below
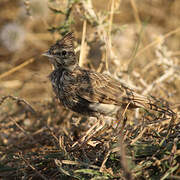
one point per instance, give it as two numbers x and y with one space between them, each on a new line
137 42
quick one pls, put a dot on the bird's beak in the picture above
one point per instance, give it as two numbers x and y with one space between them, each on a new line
47 54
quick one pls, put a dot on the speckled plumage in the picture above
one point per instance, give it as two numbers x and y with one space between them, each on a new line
84 91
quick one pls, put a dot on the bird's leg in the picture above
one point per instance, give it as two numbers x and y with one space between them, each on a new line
90 133
99 124
121 120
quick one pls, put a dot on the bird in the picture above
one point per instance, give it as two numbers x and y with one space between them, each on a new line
91 93
85 91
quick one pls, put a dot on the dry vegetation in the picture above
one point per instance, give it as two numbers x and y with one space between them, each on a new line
137 42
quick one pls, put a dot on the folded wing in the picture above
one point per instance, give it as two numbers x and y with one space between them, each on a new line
100 88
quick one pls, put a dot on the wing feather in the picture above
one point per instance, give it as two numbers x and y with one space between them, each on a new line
100 88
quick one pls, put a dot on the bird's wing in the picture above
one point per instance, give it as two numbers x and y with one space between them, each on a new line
100 88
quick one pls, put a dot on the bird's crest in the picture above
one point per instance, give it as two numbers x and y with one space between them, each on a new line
67 40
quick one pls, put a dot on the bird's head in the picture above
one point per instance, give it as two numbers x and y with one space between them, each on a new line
62 53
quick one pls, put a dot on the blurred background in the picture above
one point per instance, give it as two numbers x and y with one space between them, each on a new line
136 41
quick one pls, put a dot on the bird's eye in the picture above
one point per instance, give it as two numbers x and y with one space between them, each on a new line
64 52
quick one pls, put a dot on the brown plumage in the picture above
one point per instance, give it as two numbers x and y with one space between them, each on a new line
84 91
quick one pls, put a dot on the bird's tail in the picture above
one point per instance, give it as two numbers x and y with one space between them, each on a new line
152 103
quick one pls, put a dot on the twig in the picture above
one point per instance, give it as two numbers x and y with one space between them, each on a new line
135 11
19 126
24 132
18 100
109 41
104 161
157 41
111 21
139 136
32 167
124 165
17 68
167 74
81 58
